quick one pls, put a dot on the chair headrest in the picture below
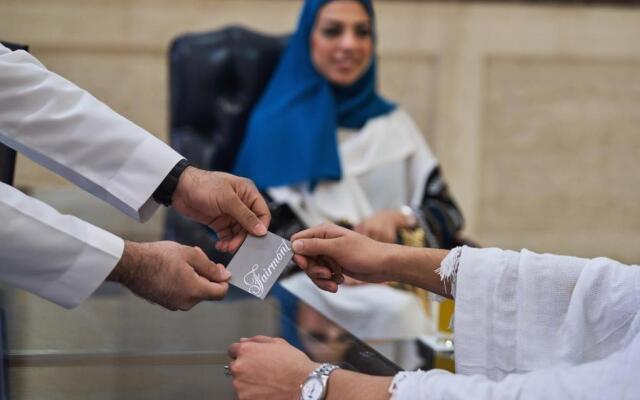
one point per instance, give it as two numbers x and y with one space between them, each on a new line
216 79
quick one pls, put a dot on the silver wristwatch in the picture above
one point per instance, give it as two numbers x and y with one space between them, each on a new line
315 386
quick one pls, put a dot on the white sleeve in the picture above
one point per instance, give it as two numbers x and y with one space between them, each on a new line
58 257
614 377
522 311
67 130
538 326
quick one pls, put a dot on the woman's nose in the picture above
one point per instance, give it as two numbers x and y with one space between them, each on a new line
348 40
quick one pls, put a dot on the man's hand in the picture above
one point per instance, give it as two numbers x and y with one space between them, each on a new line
174 276
230 205
383 226
327 250
265 368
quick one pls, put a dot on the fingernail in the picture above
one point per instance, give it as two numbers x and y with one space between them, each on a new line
225 273
244 339
297 246
260 229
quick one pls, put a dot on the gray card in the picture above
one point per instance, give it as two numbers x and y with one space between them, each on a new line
259 262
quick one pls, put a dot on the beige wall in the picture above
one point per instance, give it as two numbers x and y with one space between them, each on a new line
533 110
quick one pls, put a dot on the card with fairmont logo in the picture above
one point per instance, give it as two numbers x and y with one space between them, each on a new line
259 262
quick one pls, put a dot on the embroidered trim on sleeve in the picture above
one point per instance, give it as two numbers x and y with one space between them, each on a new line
448 270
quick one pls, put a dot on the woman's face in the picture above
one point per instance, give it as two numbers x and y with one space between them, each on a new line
341 41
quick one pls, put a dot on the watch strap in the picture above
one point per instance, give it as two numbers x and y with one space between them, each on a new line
322 372
325 369
164 193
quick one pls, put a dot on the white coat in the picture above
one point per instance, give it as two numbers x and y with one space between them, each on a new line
65 129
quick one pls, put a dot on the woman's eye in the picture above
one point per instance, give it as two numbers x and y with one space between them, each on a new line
331 32
363 32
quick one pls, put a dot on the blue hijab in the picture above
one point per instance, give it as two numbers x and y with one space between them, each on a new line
291 134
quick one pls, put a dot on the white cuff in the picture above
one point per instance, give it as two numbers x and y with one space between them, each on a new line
141 175
414 385
102 251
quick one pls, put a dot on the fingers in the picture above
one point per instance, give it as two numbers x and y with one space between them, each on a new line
207 290
321 275
326 284
234 206
234 243
319 272
262 339
315 247
325 231
234 350
261 209
302 261
206 268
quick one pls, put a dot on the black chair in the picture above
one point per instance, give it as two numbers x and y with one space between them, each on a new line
216 78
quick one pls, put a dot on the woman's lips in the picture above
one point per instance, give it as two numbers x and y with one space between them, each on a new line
345 65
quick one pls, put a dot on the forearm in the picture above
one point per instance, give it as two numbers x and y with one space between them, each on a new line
354 386
417 267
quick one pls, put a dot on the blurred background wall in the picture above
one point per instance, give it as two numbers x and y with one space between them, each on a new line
533 110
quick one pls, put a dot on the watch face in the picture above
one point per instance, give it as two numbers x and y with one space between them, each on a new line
313 389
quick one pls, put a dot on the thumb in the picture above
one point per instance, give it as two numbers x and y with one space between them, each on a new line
211 290
206 268
315 247
244 216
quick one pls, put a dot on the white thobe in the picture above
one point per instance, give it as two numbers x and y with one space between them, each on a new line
64 128
531 326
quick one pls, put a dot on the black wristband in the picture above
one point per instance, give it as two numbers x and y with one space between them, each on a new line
164 192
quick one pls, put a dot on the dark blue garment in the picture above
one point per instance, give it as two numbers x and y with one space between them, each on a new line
291 134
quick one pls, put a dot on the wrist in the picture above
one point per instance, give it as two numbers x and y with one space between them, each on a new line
304 372
417 267
393 254
185 181
167 189
122 272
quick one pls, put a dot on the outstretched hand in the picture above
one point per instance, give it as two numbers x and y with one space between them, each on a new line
230 205
327 251
174 276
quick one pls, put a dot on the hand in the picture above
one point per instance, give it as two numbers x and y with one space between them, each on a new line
230 205
327 250
265 368
382 226
174 276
